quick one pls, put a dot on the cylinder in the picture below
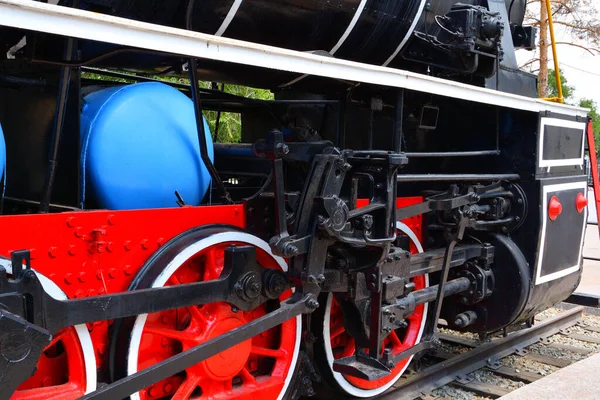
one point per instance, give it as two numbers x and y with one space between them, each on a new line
139 144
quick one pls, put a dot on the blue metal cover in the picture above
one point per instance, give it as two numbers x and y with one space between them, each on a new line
139 145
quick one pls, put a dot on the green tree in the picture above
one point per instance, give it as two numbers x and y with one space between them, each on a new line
591 104
567 90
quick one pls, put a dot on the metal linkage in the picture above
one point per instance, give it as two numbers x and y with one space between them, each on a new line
293 307
443 373
240 284
59 122
457 177
37 315
454 154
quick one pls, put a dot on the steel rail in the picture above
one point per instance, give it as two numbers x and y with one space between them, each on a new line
449 370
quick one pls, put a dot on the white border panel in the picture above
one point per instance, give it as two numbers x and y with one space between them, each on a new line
542 162
80 24
539 279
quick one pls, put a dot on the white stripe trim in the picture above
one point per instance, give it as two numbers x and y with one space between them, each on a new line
543 162
81 24
539 279
340 42
230 15
408 34
350 27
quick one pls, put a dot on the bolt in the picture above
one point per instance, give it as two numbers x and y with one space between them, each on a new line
321 278
234 309
386 329
68 279
82 277
128 270
91 293
160 241
111 219
112 273
312 304
79 232
145 244
168 388
72 250
312 279
127 245
71 222
99 274
79 294
110 247
53 252
290 250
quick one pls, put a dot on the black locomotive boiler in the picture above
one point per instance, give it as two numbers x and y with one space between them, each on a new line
403 172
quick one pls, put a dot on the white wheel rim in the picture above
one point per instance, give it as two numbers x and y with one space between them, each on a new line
339 378
85 340
182 257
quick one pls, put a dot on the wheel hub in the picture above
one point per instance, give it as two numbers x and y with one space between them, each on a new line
228 363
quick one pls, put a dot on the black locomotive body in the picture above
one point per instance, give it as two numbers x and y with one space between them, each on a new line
403 172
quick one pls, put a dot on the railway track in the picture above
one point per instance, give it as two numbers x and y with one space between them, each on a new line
447 369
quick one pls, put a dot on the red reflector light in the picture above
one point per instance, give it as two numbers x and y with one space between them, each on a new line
581 202
554 208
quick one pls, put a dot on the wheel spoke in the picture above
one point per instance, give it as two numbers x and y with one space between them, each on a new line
198 316
261 351
56 338
247 377
210 265
67 391
337 332
394 339
174 280
187 387
169 333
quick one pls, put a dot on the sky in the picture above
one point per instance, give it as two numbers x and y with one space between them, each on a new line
581 69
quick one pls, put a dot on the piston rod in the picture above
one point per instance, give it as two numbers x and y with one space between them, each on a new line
407 304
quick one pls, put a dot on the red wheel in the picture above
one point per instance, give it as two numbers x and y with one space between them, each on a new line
261 367
339 344
67 368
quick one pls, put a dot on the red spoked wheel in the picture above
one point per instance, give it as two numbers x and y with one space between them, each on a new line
261 367
337 343
67 367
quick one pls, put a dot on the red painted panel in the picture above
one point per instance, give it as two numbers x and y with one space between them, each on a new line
415 223
87 253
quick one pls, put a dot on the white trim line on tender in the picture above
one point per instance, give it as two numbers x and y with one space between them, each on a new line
340 42
229 17
104 28
408 34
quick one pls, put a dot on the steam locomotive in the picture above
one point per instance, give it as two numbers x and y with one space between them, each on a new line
404 173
